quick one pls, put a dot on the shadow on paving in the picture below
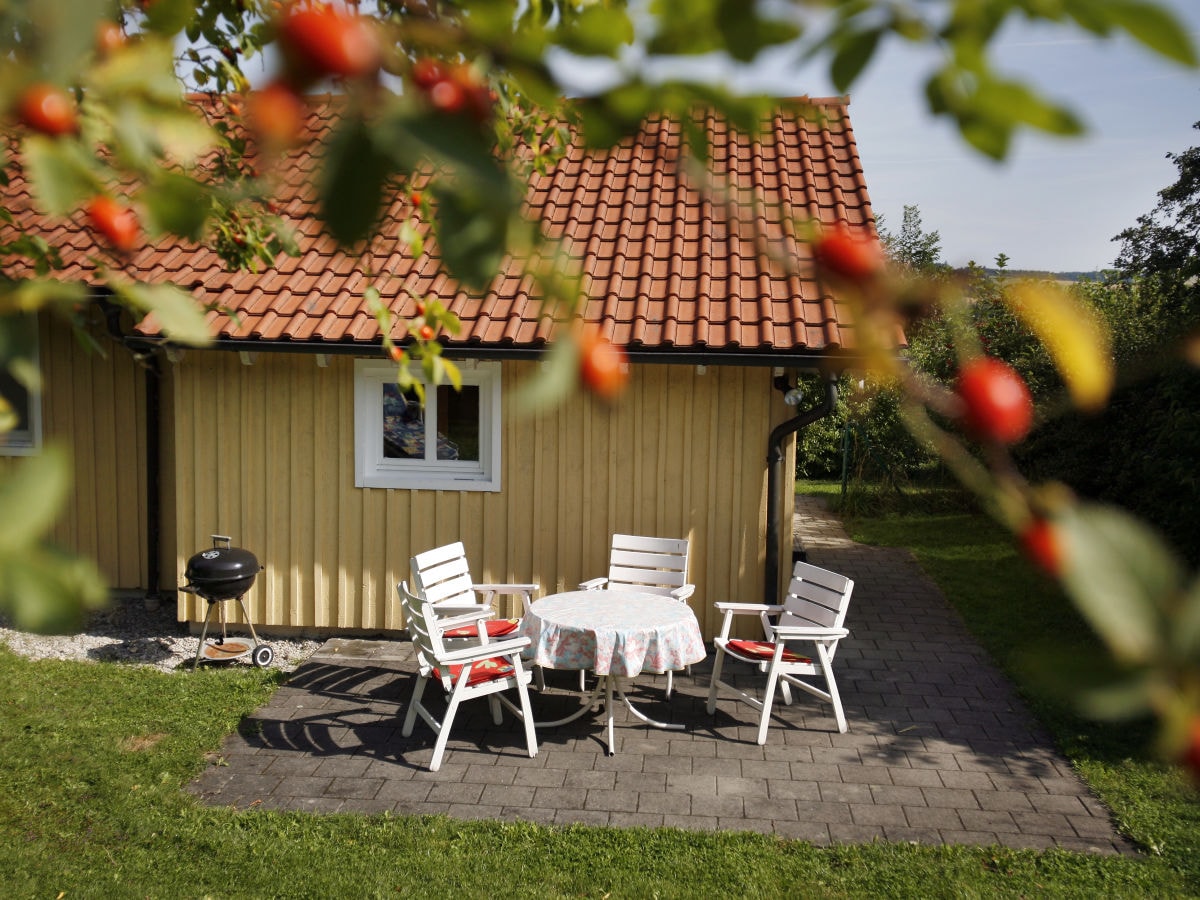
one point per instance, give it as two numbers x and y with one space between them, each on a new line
940 748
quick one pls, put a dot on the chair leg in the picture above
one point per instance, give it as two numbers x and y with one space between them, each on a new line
834 697
494 706
715 682
527 718
787 692
439 747
768 701
670 683
413 706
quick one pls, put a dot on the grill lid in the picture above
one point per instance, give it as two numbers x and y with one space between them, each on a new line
221 564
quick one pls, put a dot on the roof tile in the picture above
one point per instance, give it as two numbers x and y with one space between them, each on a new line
669 268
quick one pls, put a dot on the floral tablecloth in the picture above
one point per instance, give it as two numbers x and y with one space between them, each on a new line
612 633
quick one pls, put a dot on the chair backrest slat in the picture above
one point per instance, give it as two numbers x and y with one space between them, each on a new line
421 622
816 597
656 565
442 574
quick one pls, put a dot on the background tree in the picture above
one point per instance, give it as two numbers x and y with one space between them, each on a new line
1140 450
912 248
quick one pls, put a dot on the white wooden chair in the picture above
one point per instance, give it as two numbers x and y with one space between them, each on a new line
476 670
443 577
646 564
811 614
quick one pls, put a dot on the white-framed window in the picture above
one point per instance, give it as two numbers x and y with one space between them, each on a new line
450 444
22 404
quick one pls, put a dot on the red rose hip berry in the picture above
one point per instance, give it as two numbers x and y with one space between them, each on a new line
319 40
602 366
1042 545
997 405
118 224
1190 758
48 109
849 256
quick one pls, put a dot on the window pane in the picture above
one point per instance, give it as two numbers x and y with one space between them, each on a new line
403 424
458 422
15 413
18 400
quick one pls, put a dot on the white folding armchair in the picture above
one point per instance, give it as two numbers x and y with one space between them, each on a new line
443 577
647 564
810 616
477 670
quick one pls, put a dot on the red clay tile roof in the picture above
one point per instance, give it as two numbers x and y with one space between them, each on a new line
667 270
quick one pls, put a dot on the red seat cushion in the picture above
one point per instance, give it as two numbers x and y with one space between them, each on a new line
495 628
484 670
765 650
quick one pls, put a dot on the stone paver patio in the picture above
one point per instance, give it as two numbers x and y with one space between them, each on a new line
940 748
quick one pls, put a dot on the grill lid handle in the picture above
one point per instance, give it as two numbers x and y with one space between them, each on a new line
217 538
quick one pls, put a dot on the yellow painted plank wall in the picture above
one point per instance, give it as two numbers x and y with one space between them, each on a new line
94 404
265 453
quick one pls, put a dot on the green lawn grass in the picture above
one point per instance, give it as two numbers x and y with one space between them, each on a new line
95 755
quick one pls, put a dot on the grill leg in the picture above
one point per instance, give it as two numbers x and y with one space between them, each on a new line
203 634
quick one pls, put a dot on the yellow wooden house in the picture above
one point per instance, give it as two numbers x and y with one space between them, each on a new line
288 434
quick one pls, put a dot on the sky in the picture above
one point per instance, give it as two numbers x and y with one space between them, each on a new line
1055 204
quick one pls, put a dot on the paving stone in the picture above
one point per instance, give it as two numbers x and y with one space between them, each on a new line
939 750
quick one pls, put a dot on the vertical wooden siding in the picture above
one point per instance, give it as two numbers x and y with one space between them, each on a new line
94 405
265 453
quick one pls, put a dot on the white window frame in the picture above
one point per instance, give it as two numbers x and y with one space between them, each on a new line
28 441
373 470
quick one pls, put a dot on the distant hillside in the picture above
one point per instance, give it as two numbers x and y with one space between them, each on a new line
1095 275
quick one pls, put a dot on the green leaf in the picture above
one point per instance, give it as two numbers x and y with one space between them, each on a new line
47 591
746 33
169 17
596 31
1086 677
450 142
66 31
144 69
472 233
557 377
1122 578
43 294
179 315
61 179
453 373
1186 633
853 54
32 495
1154 27
353 175
176 204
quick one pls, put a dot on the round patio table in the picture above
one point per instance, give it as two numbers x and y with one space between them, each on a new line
613 634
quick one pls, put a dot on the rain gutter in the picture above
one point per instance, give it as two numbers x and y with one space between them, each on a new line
776 482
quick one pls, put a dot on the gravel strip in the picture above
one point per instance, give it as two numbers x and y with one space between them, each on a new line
133 631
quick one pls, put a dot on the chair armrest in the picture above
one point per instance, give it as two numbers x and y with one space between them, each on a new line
762 610
742 609
486 651
505 588
453 608
592 584
483 614
684 592
797 633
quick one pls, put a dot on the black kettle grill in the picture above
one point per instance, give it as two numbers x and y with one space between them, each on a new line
220 574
